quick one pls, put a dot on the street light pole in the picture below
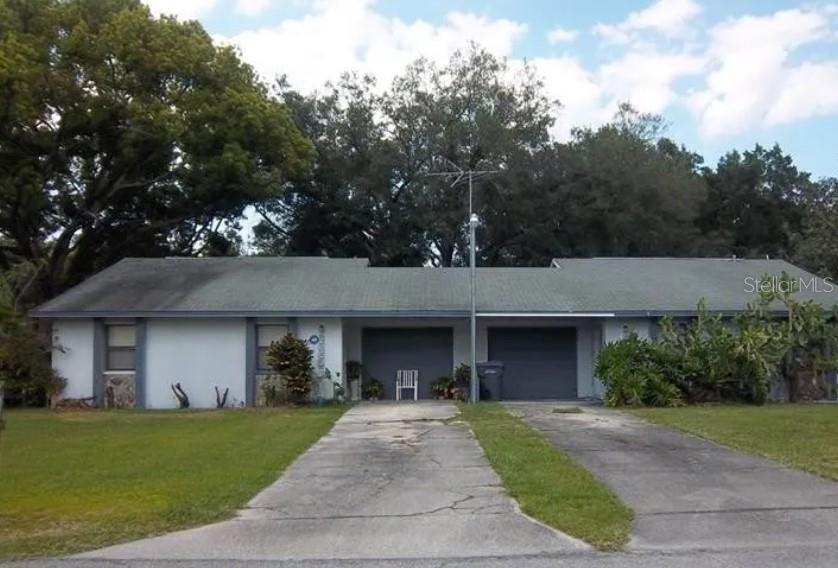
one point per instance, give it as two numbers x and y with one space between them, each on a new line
473 221
474 385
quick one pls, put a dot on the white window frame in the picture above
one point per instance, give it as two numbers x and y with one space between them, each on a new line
122 348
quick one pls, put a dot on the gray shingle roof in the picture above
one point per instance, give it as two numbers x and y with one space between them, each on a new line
299 285
676 284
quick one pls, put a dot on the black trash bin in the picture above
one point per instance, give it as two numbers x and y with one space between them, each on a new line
491 380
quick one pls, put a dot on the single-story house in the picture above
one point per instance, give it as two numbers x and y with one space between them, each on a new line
143 324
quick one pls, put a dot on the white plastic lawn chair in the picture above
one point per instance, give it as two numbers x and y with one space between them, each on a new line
407 379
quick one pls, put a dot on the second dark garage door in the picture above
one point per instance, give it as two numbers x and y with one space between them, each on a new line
539 363
384 351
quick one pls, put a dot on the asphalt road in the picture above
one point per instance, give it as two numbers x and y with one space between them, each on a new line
779 557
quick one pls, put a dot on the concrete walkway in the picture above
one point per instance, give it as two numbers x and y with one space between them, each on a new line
389 481
690 493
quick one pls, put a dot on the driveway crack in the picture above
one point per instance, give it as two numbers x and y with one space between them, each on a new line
455 506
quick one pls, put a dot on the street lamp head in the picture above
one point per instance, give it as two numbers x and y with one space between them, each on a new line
474 221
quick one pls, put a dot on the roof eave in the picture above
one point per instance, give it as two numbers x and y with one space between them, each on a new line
80 314
56 314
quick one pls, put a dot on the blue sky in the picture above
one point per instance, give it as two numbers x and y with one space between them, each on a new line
725 75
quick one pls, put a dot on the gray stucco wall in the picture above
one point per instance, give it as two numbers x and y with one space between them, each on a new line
203 352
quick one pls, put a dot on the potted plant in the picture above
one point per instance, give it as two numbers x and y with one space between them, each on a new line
373 389
446 388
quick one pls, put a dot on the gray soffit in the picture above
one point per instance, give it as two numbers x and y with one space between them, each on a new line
304 286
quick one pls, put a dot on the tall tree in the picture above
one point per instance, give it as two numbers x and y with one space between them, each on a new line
474 114
815 244
618 190
350 203
370 192
754 203
124 134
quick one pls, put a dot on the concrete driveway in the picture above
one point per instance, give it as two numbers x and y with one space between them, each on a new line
389 481
690 493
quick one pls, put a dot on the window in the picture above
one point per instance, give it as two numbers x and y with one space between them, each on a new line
265 335
121 348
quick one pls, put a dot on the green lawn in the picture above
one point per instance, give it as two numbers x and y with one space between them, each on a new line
72 481
547 484
800 435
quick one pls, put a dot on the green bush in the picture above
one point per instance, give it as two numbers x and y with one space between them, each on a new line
441 387
273 391
448 388
372 388
810 340
290 357
659 391
711 360
26 372
462 375
25 369
633 374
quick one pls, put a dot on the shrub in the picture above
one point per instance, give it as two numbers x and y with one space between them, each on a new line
25 368
440 387
462 375
810 341
372 389
658 391
273 392
26 373
632 372
447 388
290 357
710 359
713 360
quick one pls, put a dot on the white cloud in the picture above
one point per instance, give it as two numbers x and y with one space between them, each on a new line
340 35
751 82
561 35
344 35
251 7
645 78
667 17
183 9
590 97
583 100
809 90
740 72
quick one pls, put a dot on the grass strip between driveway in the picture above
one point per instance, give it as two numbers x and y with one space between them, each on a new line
804 436
548 485
78 480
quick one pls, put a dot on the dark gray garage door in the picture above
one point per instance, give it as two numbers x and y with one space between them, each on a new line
539 362
386 350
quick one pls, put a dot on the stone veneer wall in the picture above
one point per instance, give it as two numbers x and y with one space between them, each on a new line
119 390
